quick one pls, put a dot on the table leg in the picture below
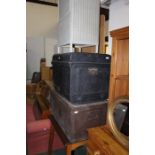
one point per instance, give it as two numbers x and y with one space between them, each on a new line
69 149
51 138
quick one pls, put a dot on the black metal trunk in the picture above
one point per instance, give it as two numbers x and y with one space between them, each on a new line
82 77
76 119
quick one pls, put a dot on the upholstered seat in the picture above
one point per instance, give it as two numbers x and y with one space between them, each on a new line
39 132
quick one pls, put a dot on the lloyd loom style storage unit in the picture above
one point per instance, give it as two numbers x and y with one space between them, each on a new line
78 23
82 77
75 119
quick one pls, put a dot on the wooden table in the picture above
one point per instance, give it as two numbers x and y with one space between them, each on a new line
102 142
70 147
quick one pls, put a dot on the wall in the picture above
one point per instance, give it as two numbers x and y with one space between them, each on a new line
41 34
118 16
35 51
40 19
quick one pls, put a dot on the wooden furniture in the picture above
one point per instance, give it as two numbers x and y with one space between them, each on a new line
102 142
39 131
102 35
31 89
38 93
41 99
119 76
69 146
43 105
46 72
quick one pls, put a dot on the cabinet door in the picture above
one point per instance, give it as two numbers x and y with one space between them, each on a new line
122 57
121 87
119 76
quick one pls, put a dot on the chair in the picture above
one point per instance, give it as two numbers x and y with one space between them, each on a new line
40 134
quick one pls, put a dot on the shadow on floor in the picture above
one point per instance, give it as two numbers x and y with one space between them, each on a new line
79 151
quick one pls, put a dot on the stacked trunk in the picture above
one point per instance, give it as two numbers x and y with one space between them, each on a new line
79 95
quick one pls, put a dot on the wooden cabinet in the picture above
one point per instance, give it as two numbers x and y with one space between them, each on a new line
102 142
100 139
119 76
